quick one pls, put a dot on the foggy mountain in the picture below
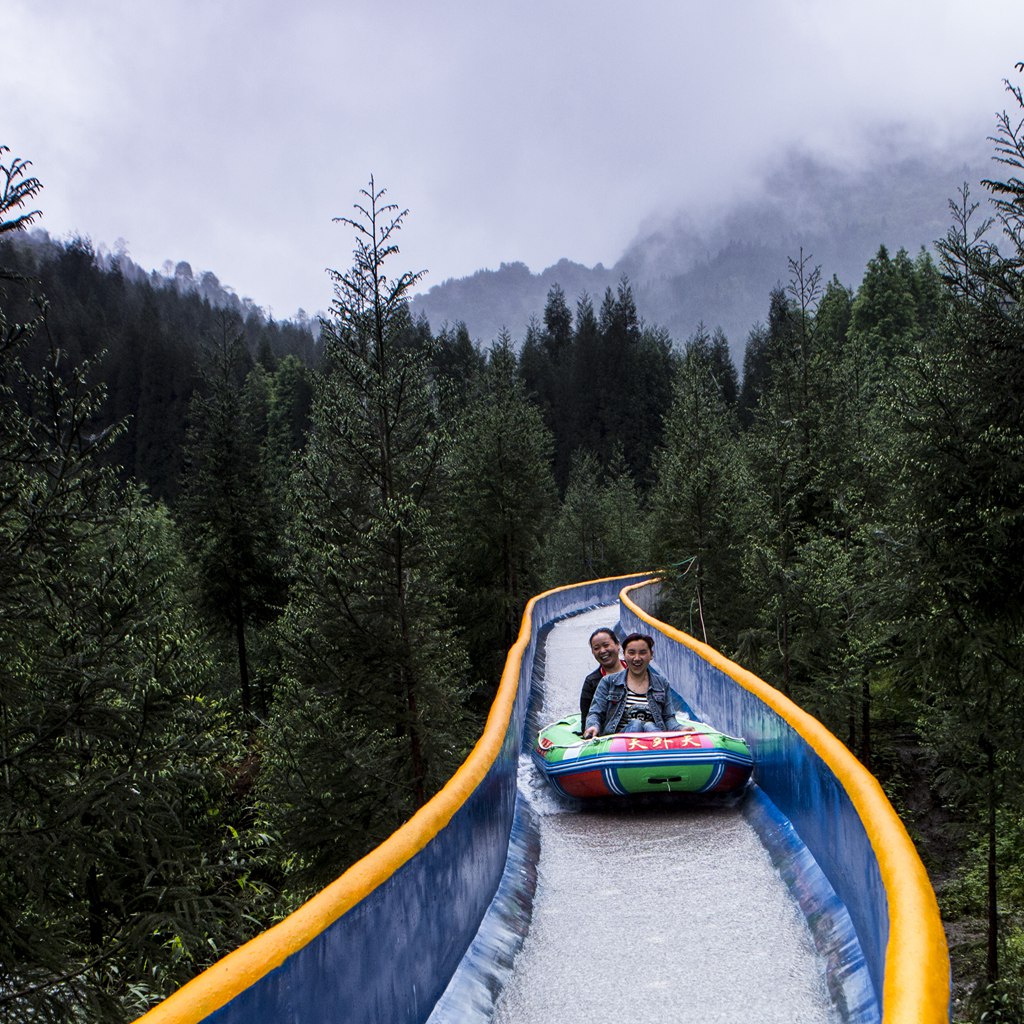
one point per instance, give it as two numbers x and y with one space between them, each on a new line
720 269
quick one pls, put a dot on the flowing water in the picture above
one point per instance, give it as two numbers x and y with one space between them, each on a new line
639 914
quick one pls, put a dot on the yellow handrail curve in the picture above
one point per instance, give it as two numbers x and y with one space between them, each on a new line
236 971
916 987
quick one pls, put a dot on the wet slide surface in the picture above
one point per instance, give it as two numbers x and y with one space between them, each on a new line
655 913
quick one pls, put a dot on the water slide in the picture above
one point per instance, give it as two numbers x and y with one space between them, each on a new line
802 901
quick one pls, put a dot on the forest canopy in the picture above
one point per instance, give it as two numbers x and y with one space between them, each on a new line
215 529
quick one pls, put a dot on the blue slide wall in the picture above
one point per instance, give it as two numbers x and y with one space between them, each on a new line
837 809
390 956
382 941
790 772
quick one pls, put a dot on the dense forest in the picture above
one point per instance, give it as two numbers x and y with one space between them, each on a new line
257 582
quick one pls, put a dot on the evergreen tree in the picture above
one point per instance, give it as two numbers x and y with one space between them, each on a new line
958 514
546 366
642 362
601 529
776 474
589 389
368 722
457 365
885 309
122 865
626 531
839 568
502 498
619 341
289 398
755 373
766 347
694 502
557 325
557 344
810 506
575 549
723 369
233 525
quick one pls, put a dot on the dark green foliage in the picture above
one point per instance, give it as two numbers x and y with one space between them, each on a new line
642 364
601 529
755 373
765 347
231 505
501 497
723 369
608 383
814 483
367 721
549 366
885 309
144 336
695 502
120 867
457 363
959 506
847 522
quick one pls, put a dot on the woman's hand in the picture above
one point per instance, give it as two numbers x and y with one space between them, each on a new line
590 732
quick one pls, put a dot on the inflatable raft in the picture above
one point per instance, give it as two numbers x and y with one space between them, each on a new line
698 760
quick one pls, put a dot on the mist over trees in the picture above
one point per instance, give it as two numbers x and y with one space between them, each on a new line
258 580
715 266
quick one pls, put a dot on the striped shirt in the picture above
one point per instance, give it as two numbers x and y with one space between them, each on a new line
636 707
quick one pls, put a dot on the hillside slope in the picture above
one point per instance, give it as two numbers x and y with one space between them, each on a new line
720 269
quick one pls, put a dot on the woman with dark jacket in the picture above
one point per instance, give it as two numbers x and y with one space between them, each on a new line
604 645
637 699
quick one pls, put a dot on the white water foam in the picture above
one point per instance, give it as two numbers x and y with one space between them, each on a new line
633 913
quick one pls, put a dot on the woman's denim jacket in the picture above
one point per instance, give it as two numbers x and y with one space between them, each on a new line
609 703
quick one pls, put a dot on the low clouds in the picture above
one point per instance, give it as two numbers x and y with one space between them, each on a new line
229 134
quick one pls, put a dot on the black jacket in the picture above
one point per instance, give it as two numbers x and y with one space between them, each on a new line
587 695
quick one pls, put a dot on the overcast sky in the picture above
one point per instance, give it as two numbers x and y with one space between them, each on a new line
229 132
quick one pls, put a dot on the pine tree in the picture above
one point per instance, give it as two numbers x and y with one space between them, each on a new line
694 502
501 497
959 513
601 529
588 388
122 867
575 548
885 309
368 723
808 511
233 525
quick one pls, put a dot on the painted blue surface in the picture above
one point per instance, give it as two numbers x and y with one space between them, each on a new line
847 974
391 956
799 784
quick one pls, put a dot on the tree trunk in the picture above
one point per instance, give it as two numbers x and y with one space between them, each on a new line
243 658
992 960
865 722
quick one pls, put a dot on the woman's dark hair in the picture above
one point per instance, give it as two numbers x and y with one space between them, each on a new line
649 640
603 629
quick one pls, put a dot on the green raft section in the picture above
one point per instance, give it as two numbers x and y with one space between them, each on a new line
699 759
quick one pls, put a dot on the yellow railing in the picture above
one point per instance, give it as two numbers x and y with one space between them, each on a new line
238 970
917 973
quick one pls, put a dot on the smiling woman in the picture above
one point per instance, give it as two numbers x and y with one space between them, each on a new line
635 699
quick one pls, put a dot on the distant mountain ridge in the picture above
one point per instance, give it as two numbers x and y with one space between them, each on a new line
721 272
